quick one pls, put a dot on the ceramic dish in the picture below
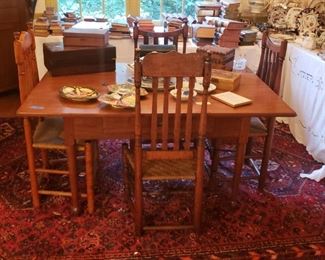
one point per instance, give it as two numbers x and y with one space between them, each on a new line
291 17
320 9
185 94
78 93
125 89
147 84
277 17
199 87
118 101
307 22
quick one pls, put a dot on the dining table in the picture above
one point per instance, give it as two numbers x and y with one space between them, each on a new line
95 120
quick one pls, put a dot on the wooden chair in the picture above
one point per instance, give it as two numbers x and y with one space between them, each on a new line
45 134
159 41
169 155
269 70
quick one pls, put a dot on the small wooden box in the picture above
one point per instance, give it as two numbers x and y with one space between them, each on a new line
63 60
221 58
85 37
225 80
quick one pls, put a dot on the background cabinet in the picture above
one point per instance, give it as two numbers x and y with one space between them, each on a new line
14 14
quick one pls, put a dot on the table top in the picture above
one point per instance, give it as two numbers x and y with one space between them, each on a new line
44 100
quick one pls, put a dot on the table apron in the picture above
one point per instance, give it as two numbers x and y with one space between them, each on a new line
88 128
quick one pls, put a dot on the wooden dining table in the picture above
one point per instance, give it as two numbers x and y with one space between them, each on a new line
95 120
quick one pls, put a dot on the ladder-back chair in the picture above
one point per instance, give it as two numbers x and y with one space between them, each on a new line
269 70
45 134
170 153
159 41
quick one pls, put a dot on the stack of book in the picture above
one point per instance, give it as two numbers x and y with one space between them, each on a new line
203 34
227 31
41 26
50 14
56 28
145 24
207 8
119 30
230 9
248 37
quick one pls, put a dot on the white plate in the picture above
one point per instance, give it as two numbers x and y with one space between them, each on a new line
147 84
125 89
184 96
117 101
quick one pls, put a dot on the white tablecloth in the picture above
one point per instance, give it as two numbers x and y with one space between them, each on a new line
304 90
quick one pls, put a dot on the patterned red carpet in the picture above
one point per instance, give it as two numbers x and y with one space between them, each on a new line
287 221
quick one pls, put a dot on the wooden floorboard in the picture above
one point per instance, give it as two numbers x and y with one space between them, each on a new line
9 103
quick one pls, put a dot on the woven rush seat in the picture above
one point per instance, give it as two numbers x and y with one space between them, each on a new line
166 169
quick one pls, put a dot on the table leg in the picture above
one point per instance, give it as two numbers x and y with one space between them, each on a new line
72 165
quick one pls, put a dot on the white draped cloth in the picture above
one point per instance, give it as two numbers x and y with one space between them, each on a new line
304 90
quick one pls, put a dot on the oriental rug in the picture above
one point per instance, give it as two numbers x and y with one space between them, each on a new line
286 221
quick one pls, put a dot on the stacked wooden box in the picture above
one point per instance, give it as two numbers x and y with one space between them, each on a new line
221 58
84 50
227 31
203 33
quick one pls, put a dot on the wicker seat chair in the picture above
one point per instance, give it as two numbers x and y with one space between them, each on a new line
269 70
169 155
45 134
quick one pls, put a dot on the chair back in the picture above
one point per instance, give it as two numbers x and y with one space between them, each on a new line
159 41
171 118
270 66
24 49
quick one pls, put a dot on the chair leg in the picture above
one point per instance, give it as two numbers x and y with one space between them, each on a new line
198 193
266 154
138 193
31 163
240 155
248 152
44 157
214 164
71 154
89 176
126 174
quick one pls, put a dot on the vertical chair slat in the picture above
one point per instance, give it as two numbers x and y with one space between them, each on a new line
177 120
188 126
165 114
154 117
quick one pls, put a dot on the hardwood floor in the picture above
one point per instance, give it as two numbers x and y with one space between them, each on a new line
9 103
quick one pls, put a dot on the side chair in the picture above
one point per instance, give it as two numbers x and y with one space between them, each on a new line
168 123
46 134
269 70
159 41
